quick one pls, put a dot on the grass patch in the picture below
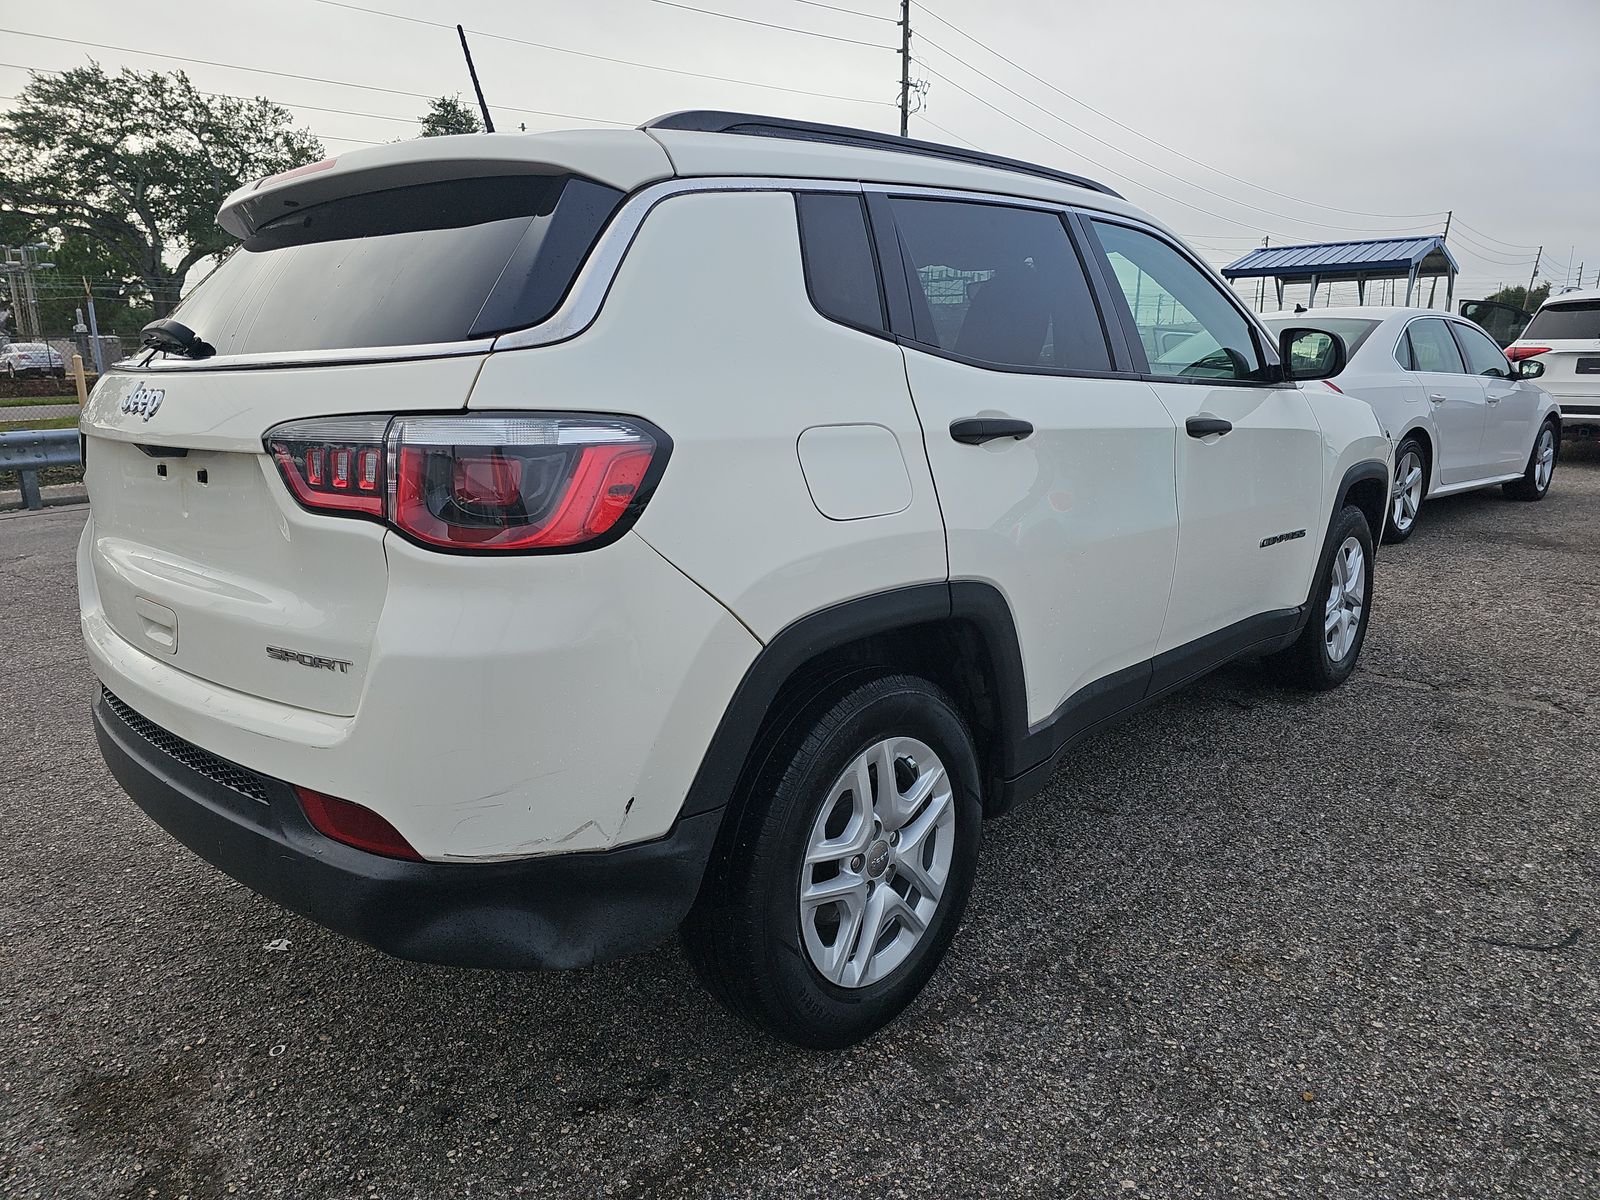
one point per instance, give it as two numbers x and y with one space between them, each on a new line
40 423
26 401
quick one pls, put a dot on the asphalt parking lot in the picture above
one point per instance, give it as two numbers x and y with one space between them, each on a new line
1248 943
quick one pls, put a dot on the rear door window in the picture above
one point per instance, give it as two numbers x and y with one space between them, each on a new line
841 272
434 262
1433 349
1482 355
999 285
1578 320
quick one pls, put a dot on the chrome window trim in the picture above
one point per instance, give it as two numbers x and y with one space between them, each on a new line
344 356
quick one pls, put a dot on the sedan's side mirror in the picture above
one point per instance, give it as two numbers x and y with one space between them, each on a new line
1530 368
1310 354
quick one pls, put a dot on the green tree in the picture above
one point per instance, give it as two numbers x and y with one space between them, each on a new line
449 114
1521 297
136 165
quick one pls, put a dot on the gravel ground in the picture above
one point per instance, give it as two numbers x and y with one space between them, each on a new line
1248 943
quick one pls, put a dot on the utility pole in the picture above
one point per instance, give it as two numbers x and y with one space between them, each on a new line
1535 273
1443 237
905 67
1261 284
94 329
488 121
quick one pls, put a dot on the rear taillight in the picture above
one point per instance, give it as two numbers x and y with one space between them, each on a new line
336 464
477 482
1334 386
1518 353
354 825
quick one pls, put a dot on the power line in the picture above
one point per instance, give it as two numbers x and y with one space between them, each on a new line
343 112
1145 162
368 87
625 62
854 12
948 133
832 37
1495 240
1078 153
1156 142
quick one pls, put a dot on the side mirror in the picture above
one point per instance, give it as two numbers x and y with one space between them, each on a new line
1308 354
1530 368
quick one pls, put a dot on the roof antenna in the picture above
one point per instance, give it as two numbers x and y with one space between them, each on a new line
488 121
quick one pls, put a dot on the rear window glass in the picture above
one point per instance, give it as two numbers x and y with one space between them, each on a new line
840 269
1353 330
436 262
1562 322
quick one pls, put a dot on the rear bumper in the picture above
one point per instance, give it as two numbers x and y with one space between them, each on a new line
1579 417
559 911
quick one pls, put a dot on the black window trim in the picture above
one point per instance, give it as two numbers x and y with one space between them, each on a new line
881 330
895 273
1266 347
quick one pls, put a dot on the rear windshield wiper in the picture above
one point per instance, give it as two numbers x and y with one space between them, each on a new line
174 337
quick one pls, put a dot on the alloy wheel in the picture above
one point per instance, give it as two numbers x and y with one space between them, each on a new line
1346 600
877 861
1544 463
1407 491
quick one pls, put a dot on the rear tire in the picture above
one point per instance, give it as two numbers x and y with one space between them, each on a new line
1325 653
1535 481
819 850
1410 489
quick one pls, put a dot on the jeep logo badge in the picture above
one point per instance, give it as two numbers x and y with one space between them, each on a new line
877 859
143 401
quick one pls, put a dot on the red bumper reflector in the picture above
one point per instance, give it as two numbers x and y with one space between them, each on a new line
350 823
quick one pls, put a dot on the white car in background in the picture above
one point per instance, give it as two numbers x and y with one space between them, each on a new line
18 359
1563 340
1459 414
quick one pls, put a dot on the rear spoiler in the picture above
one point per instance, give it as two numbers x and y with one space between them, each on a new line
625 159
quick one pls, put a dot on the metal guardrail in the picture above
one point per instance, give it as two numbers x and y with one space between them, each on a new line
27 451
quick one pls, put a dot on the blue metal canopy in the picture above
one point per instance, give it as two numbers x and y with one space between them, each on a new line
1381 258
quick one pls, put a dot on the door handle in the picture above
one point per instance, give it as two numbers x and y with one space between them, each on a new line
1494 399
1435 398
975 431
1199 427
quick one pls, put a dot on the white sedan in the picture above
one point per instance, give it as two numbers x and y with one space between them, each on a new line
30 358
1459 414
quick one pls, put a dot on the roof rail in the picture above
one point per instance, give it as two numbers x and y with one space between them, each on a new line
754 125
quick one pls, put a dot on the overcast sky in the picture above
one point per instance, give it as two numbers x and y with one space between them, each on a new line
1315 120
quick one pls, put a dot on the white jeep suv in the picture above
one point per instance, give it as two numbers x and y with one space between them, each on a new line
522 546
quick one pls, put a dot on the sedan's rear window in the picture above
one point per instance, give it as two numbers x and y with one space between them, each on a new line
1354 330
1565 322
434 262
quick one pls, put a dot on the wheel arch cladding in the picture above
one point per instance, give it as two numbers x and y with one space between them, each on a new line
959 636
1365 485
